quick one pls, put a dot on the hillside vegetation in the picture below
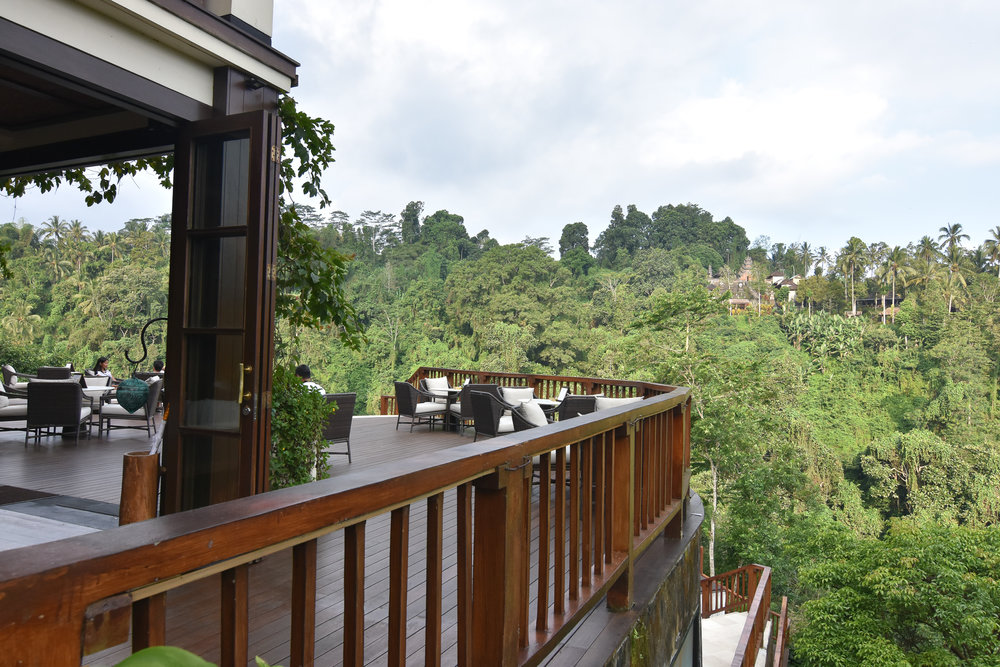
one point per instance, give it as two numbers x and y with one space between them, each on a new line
853 448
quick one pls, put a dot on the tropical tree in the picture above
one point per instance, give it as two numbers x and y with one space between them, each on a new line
59 267
992 248
927 250
113 243
851 259
77 232
823 258
956 265
21 324
55 228
894 265
952 235
805 252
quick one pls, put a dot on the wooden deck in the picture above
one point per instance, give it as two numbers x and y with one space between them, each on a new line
92 471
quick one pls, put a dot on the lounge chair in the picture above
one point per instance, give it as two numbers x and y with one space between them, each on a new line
417 411
54 404
117 412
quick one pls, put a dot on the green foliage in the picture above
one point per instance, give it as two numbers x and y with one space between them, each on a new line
926 594
297 418
163 656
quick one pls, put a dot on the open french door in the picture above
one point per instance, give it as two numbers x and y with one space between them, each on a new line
220 336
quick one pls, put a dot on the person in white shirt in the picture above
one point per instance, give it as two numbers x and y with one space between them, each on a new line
304 374
101 368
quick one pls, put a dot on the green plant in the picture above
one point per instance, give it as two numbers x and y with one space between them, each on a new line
297 418
171 656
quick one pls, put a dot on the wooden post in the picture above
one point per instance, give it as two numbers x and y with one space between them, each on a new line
140 483
622 511
499 558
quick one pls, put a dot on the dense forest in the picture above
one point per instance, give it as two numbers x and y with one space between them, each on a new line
851 445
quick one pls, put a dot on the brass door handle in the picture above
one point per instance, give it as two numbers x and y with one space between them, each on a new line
243 372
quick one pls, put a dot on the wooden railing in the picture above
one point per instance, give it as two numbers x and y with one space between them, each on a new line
777 650
748 589
545 386
610 483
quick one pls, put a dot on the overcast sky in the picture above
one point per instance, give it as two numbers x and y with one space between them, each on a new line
802 121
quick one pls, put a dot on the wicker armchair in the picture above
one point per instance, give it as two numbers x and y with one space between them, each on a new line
417 411
488 414
461 411
145 414
15 383
436 388
54 373
338 426
575 405
53 404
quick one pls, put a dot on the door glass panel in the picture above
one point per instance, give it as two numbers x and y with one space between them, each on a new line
211 464
226 162
216 287
211 399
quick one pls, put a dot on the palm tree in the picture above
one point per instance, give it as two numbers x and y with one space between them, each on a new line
88 300
55 228
992 248
893 266
823 257
59 267
77 232
952 235
21 324
805 252
113 242
927 250
956 263
852 257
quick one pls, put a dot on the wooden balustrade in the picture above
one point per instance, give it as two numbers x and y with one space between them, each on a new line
545 386
609 483
746 589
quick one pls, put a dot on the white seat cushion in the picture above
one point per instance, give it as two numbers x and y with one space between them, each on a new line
456 408
515 395
12 412
428 408
506 425
533 413
116 410
603 402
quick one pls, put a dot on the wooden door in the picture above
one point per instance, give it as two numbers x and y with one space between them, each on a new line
220 337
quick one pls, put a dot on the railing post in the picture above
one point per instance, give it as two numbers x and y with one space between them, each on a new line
622 512
500 561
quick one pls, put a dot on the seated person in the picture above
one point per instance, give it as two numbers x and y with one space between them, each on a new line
304 374
158 366
101 368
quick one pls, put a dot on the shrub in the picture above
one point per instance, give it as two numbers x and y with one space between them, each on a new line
298 415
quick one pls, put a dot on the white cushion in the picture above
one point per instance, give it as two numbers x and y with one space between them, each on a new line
604 403
428 408
14 412
506 425
437 386
4 401
97 380
532 412
456 408
116 410
517 394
